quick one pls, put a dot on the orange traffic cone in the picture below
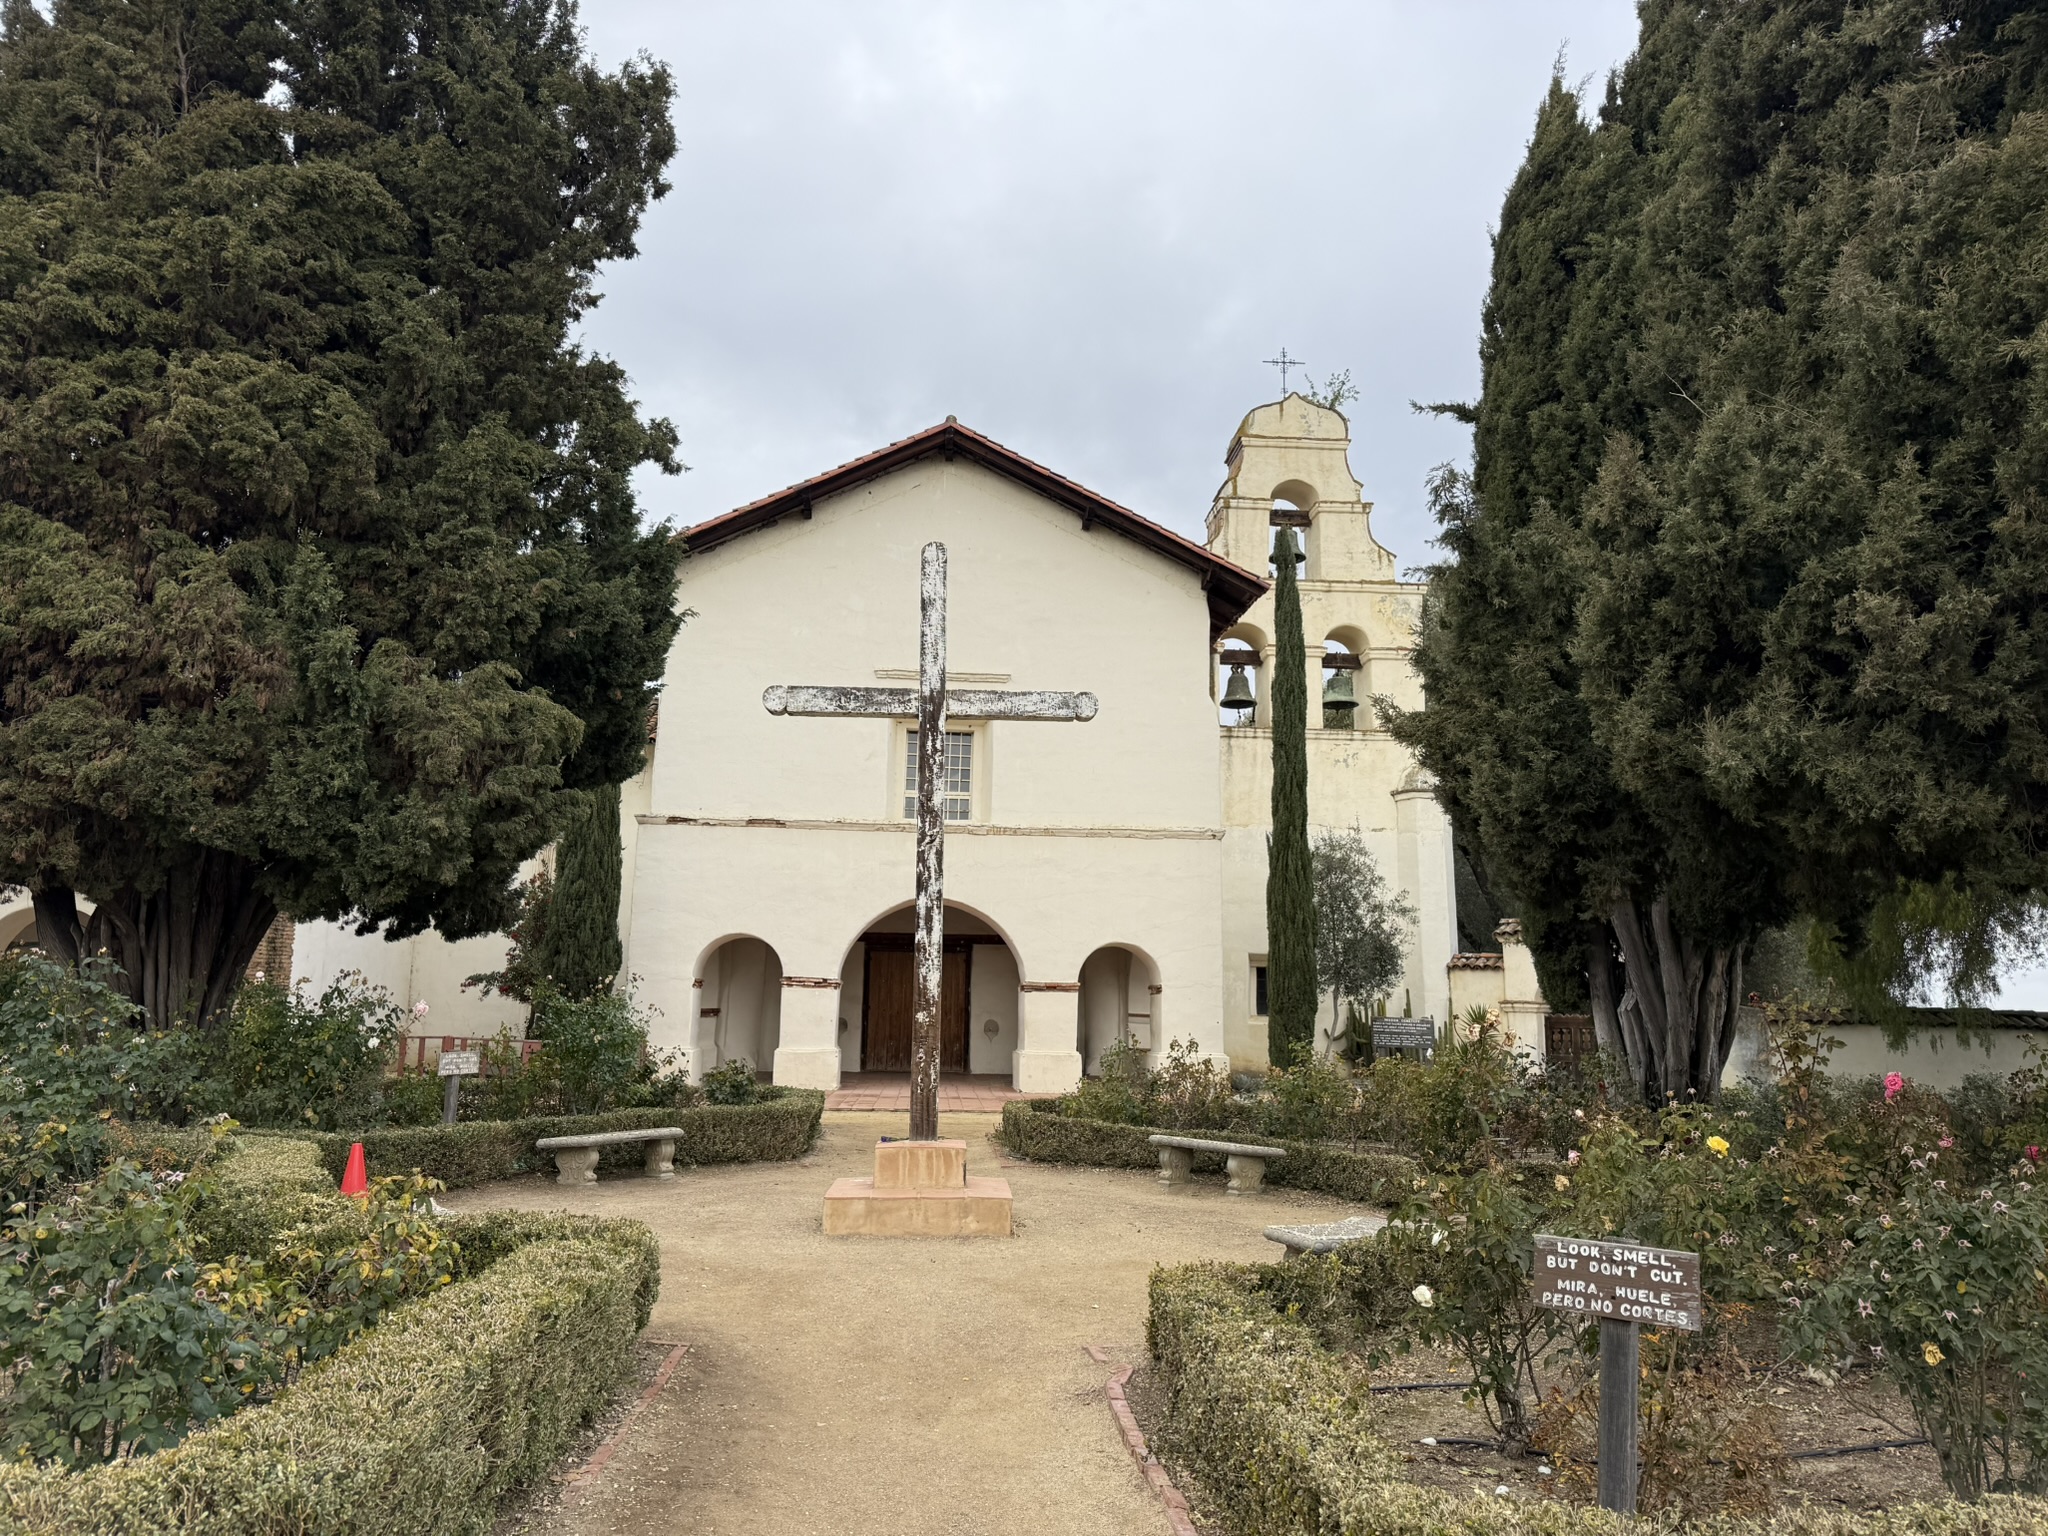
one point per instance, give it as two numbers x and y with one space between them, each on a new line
357 1180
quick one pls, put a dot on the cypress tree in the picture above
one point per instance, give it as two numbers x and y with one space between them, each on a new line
579 948
1742 611
323 587
1291 986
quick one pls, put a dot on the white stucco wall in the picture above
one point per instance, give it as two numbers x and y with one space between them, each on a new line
992 994
425 968
1934 1058
790 829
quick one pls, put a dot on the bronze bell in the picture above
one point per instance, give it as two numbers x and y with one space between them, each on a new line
1237 692
1338 693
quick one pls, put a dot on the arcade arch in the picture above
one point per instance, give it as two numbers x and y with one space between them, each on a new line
1120 1002
18 927
738 993
978 1007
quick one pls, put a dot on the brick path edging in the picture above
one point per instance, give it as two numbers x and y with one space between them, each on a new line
605 1452
1134 1441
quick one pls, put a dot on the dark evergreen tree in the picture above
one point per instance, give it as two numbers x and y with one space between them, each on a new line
1291 986
322 584
1742 614
579 949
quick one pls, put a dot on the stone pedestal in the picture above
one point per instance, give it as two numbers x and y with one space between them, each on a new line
920 1189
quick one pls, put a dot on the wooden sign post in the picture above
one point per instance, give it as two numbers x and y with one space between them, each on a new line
455 1066
1624 1285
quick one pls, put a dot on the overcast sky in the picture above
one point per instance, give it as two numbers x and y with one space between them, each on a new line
1079 227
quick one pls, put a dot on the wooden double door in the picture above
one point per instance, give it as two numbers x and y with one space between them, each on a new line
889 995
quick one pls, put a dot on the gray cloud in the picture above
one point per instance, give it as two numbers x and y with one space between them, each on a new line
1077 226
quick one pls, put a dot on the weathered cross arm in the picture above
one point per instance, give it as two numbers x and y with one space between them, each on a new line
901 703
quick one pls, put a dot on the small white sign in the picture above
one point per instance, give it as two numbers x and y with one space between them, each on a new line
461 1063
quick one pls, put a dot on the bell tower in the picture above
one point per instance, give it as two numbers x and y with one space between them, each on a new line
1294 456
1289 464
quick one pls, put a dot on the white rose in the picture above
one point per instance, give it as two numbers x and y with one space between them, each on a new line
1424 1296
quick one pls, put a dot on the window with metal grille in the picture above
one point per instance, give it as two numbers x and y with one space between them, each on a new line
957 790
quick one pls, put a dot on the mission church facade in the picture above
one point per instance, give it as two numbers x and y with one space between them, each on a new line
1105 879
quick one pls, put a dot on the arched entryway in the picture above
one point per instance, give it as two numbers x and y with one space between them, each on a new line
739 1004
17 926
1119 1002
978 997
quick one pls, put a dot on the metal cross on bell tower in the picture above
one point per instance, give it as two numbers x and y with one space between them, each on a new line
1283 362
928 705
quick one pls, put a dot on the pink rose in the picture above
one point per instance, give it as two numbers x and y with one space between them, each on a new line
1894 1085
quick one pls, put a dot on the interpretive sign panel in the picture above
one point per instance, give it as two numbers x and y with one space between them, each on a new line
1404 1034
1627 1282
461 1063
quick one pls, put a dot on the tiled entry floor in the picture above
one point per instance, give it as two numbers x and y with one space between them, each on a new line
891 1090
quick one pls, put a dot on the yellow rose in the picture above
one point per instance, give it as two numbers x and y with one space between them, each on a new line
1931 1352
1718 1145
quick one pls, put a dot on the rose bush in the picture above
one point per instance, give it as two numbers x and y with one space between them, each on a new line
1947 1295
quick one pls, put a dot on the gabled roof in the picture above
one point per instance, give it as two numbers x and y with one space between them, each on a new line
1230 587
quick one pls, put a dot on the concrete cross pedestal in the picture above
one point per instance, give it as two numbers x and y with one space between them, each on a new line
920 1189
928 705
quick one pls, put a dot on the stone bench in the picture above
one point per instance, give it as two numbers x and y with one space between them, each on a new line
1245 1164
1324 1237
576 1156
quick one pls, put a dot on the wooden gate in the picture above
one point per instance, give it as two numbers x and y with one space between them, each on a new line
1568 1039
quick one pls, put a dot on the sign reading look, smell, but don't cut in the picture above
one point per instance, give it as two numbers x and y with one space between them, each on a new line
1595 1277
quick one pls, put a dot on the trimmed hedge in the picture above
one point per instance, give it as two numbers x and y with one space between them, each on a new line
489 1236
1034 1128
266 1185
424 1424
160 1148
780 1127
1271 1427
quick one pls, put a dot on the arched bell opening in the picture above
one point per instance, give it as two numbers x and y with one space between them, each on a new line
1345 701
1239 656
1294 504
1120 1003
978 995
1287 514
739 1005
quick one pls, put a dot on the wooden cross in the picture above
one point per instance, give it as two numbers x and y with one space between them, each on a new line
928 704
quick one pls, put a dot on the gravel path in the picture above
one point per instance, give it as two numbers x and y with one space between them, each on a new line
898 1387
